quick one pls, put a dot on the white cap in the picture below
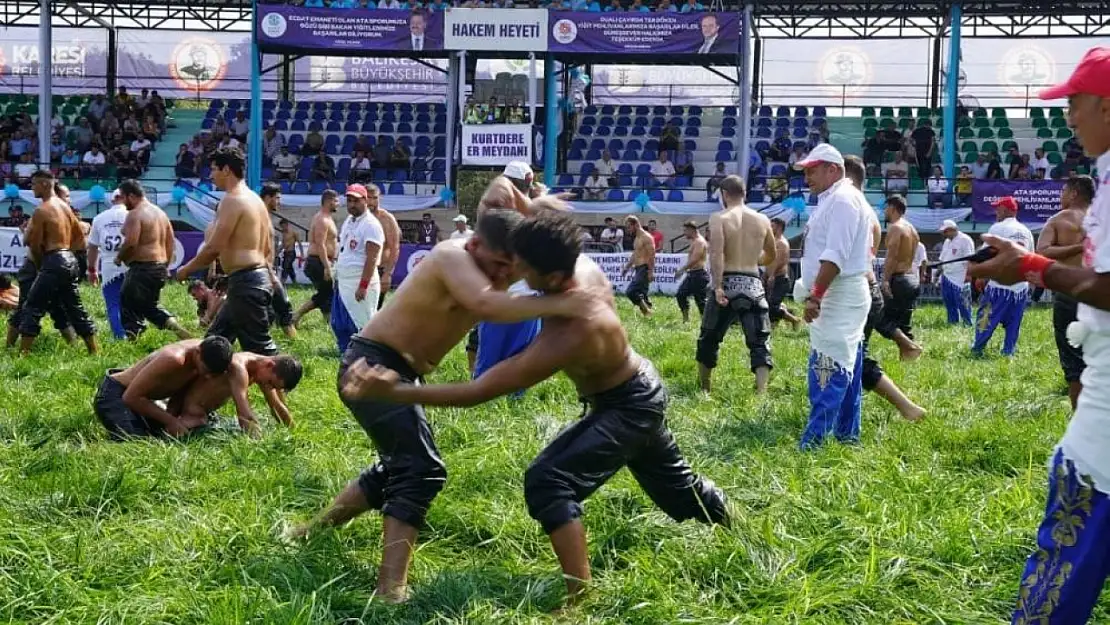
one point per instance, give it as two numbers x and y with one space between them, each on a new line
460 218
821 153
116 195
948 224
518 170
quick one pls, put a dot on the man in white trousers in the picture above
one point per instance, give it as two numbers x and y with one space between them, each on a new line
357 284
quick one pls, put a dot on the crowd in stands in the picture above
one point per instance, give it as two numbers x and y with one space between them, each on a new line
512 112
596 6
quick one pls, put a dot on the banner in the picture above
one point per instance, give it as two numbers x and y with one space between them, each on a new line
375 79
709 34
79 55
1037 199
12 251
355 30
496 144
190 64
498 30
666 265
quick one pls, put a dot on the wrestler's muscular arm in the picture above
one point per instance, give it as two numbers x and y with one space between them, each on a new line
275 399
136 397
770 254
392 248
697 255
77 238
221 230
132 228
167 239
717 257
647 248
894 238
239 381
544 358
1046 244
33 238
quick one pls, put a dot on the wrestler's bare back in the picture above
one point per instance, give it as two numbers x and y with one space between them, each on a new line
1063 229
902 238
148 235
175 374
782 255
746 236
322 227
243 230
53 226
392 231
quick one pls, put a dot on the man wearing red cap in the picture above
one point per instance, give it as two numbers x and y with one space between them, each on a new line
1066 573
357 284
1003 303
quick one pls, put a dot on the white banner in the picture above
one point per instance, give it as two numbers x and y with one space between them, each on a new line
496 30
665 267
496 144
11 250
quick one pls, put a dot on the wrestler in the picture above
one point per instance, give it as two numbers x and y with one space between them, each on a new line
280 304
696 282
391 251
322 240
209 300
25 277
51 237
240 239
274 376
105 240
81 254
289 241
9 293
642 264
125 400
357 283
626 423
1062 240
455 285
740 239
777 278
900 284
147 250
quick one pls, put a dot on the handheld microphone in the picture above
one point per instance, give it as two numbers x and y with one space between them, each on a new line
984 254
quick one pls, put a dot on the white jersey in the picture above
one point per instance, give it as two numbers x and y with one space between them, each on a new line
107 236
920 255
839 231
957 247
1013 230
353 237
1096 252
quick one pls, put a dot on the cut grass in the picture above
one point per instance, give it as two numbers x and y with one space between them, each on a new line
922 523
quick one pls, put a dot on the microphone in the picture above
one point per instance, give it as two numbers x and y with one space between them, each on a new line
984 254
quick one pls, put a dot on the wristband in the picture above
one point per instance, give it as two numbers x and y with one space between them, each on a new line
364 284
818 292
1033 266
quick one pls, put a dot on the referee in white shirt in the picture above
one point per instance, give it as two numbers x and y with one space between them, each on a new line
1003 304
357 285
955 290
835 263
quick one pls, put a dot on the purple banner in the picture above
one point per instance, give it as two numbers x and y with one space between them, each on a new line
190 64
410 256
80 57
710 34
1037 199
355 30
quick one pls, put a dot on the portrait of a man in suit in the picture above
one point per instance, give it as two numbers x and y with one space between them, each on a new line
713 42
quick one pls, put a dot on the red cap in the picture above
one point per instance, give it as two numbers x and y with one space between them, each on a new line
1007 202
357 190
1092 76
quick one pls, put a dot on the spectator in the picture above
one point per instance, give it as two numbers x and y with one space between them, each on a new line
612 234
15 218
92 164
938 189
887 139
638 6
669 140
23 171
109 125
313 144
755 168
428 231
656 235
994 167
799 154
924 145
596 189
780 150
1040 163
382 153
897 175
57 147
461 229
615 6
140 149
131 129
607 168
515 113
97 108
240 127
979 168
683 163
473 114
323 168
186 163
361 169
144 99
272 142
1022 172
151 130
964 186
219 128
129 167
715 180
18 146
228 142
196 146
400 158
57 124
493 113
286 164
692 6
71 164
662 171
665 6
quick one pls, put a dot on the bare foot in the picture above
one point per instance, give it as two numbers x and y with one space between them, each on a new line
795 324
914 413
912 354
290 331
294 533
396 596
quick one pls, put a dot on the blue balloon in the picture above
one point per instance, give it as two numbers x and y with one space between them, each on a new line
98 194
205 186
643 200
11 192
446 195
178 194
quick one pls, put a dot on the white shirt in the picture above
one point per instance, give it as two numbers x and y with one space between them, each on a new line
938 185
363 163
605 169
241 127
230 142
662 170
957 247
418 42
25 170
595 187
465 234
93 159
1040 163
920 255
1096 254
1012 229
838 232
287 161
612 235
107 235
353 237
138 145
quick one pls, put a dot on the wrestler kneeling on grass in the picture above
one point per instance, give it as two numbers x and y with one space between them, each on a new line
274 375
626 423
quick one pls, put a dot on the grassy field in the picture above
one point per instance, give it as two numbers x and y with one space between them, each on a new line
923 523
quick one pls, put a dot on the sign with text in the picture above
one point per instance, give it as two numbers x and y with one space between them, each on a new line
12 251
666 265
387 30
1037 199
501 30
496 144
79 60
707 34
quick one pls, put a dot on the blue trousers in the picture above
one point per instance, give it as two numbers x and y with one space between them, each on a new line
1064 576
999 306
835 399
111 292
342 324
957 301
501 341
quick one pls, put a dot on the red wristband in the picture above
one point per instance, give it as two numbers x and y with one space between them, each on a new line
1033 266
364 284
818 292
